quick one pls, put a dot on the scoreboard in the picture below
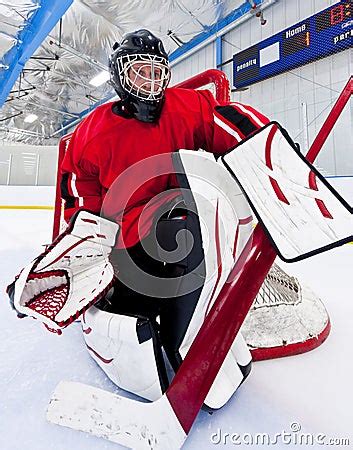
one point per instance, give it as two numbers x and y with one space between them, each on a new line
327 32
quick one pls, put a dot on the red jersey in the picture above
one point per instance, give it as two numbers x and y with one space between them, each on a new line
108 150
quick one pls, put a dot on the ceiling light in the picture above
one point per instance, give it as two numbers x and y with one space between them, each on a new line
30 118
100 79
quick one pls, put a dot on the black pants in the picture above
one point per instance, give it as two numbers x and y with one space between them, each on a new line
126 299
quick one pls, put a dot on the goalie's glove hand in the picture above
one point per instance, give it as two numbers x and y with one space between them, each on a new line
70 275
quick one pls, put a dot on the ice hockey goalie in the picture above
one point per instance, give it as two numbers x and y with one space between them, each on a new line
210 264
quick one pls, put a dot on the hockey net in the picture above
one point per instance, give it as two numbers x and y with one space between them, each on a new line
287 318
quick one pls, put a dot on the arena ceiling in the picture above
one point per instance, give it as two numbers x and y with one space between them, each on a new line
47 63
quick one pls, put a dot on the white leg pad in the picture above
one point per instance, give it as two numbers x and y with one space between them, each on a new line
230 375
113 342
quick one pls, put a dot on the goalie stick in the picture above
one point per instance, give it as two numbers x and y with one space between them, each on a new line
165 424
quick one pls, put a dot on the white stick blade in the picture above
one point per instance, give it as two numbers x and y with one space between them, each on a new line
118 419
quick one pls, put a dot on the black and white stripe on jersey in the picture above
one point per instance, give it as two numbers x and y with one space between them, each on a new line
242 123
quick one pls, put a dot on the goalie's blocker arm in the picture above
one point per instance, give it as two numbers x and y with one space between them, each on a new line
302 214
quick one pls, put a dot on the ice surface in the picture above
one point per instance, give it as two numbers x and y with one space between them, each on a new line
313 390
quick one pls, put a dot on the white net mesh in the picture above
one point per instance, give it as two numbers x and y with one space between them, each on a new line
279 288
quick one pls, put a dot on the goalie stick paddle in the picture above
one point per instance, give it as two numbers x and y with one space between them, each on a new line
165 423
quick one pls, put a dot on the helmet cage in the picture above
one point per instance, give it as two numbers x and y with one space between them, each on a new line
144 76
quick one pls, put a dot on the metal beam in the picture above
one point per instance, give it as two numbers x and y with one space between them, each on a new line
29 39
219 52
11 117
22 131
221 27
59 111
73 51
84 113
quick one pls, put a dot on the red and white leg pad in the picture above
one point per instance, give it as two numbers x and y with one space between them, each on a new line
232 373
126 348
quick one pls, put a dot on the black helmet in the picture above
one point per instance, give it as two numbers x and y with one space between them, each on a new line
140 73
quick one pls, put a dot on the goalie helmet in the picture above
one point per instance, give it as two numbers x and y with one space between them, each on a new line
140 73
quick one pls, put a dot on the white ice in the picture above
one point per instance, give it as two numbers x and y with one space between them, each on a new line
313 390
